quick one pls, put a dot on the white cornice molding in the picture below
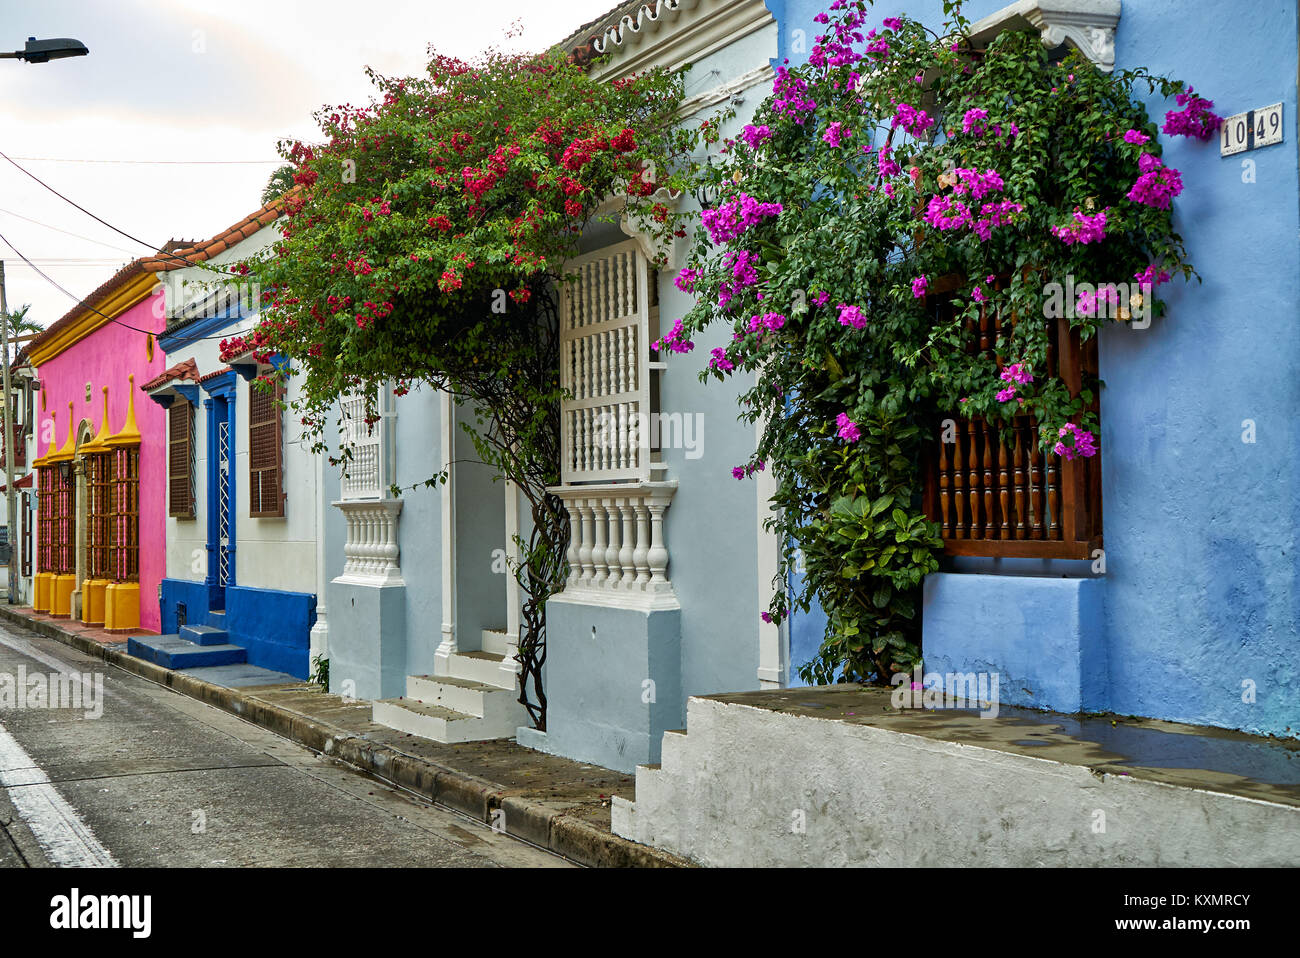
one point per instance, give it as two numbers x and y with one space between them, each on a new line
675 33
727 91
1088 24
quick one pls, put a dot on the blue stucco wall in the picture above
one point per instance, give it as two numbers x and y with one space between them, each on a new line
192 595
1200 597
273 625
613 684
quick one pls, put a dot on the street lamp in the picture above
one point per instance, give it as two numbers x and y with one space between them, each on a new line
43 51
34 51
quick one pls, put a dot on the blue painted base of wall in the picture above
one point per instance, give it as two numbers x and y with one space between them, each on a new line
610 697
274 626
367 640
1044 637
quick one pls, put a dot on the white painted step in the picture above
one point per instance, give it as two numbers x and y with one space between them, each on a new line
482 667
494 641
427 721
460 695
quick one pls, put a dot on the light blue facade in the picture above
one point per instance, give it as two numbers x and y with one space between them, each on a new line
1197 615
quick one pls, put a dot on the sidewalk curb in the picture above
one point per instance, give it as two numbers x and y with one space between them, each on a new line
527 820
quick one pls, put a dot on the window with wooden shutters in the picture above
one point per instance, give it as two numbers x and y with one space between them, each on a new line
265 461
180 459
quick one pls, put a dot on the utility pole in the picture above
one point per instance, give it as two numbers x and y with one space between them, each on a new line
10 492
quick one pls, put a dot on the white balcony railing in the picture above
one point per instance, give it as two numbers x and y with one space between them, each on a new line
371 551
618 554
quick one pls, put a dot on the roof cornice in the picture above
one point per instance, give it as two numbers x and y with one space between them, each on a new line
92 315
675 33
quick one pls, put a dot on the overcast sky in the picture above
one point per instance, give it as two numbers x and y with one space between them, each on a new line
186 80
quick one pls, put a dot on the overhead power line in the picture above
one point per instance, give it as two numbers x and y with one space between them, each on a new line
81 302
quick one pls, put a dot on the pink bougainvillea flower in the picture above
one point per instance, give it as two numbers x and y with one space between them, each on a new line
846 428
1195 120
852 316
919 286
1157 184
1084 229
1133 136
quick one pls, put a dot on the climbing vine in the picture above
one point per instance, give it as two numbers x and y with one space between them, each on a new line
896 162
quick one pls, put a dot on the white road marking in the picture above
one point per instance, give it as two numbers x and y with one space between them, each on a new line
66 840
23 647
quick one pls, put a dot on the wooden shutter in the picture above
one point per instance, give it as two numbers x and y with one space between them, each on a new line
265 463
180 459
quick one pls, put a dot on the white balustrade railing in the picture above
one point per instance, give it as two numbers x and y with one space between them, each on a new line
371 552
618 554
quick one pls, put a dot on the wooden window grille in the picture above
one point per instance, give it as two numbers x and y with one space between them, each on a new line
99 491
124 515
265 457
604 366
63 518
180 459
45 518
993 491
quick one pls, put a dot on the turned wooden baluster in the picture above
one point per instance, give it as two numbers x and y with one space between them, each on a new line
1035 484
1053 499
958 483
1018 479
1004 530
945 480
988 482
972 429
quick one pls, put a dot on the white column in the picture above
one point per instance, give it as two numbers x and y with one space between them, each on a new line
447 431
773 655
318 641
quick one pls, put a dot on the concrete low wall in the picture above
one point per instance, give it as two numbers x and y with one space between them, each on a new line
1045 637
613 683
754 785
367 640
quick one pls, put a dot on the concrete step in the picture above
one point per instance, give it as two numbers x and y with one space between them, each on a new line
494 641
482 667
428 721
497 710
173 652
205 635
460 695
217 619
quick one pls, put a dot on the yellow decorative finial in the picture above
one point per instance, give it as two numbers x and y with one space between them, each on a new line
130 432
97 444
69 447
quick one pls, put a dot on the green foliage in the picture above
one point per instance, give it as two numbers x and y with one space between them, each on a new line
426 240
278 183
854 231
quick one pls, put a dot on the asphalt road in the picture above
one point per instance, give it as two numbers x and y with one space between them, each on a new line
159 779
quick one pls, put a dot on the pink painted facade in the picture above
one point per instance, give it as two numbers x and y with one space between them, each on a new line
107 357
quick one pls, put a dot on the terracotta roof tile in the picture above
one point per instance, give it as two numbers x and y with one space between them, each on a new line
215 373
186 370
227 238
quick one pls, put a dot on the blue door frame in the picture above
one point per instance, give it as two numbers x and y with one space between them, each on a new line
220 410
